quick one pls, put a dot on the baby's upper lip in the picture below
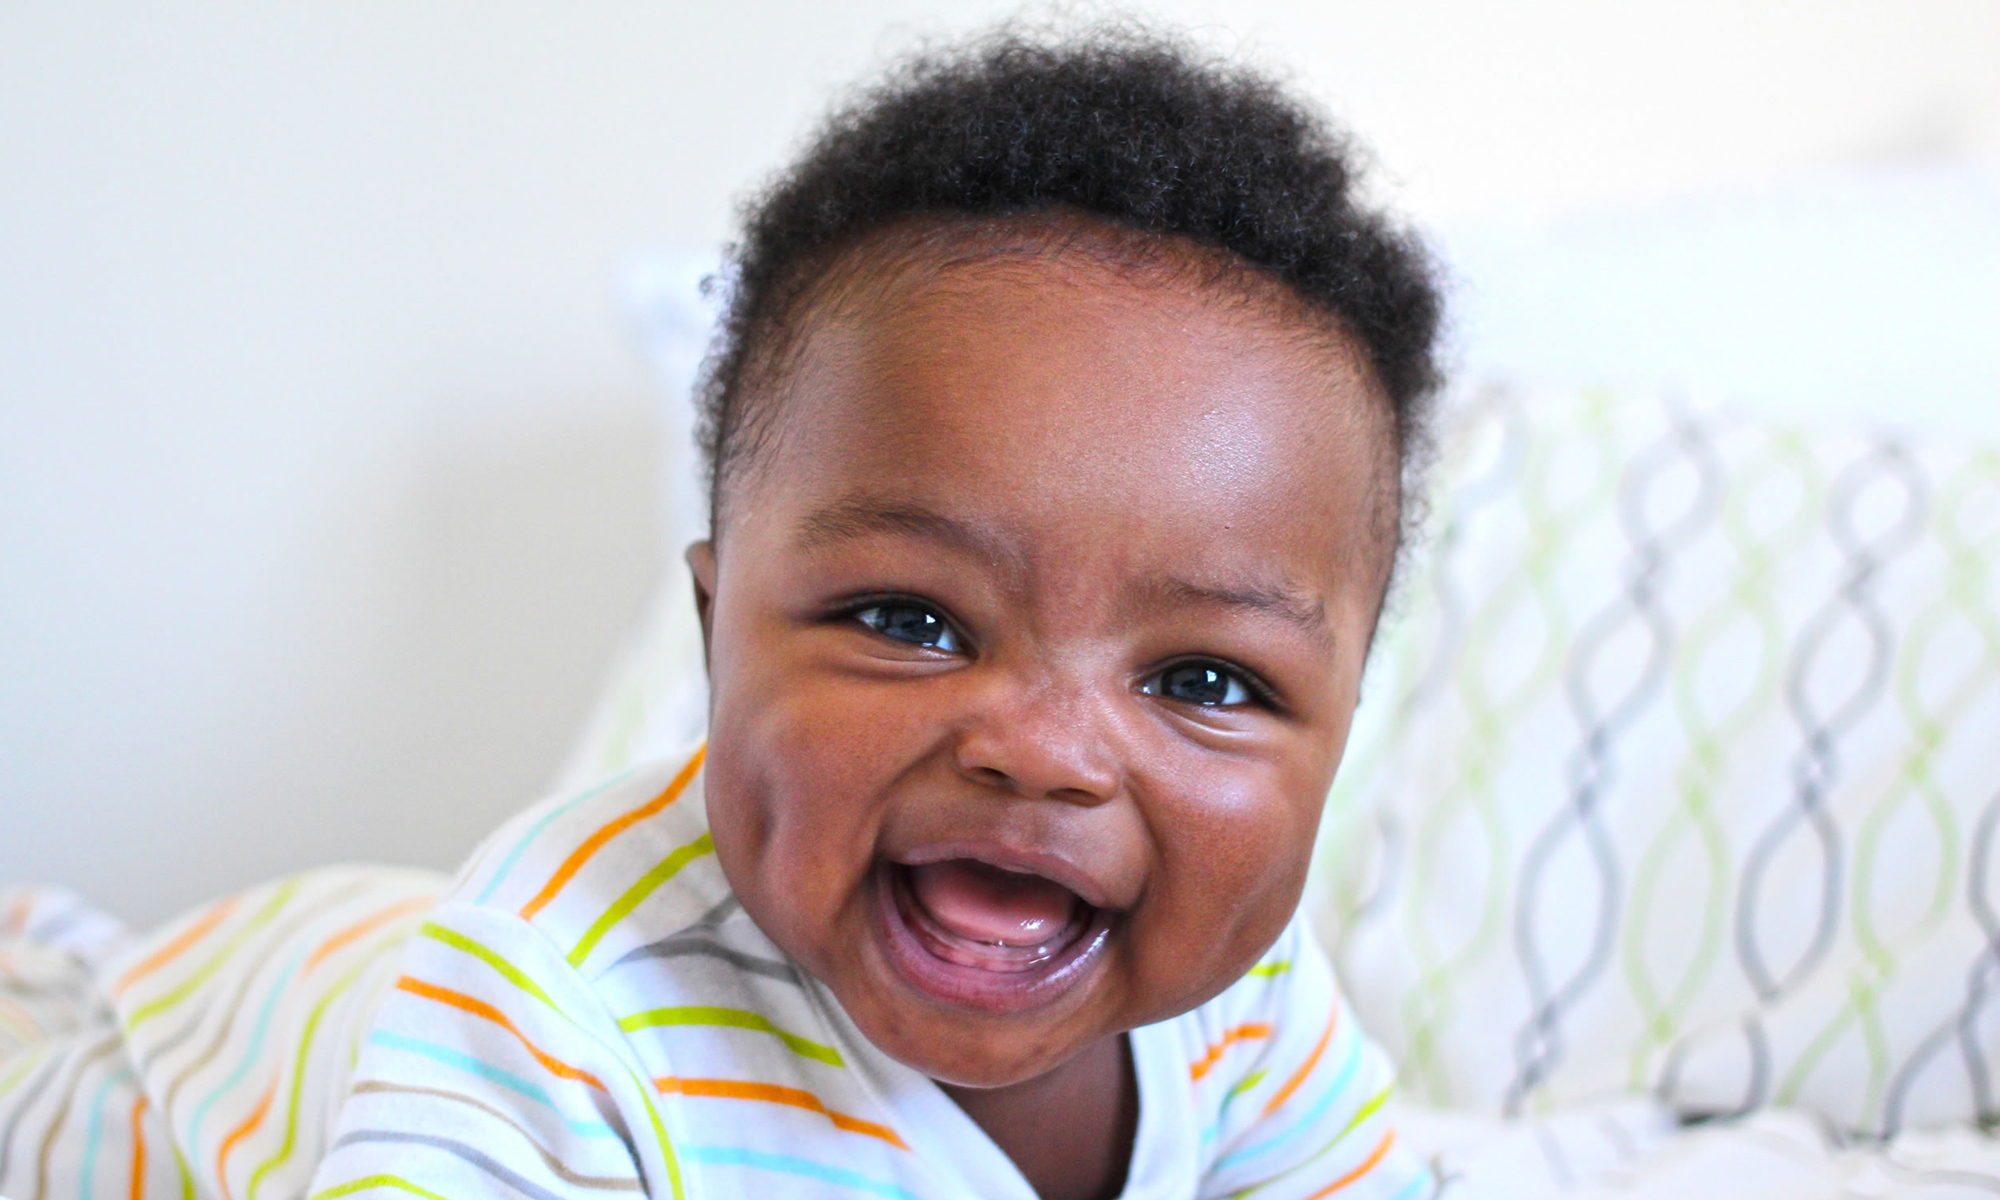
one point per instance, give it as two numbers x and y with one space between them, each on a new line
1050 865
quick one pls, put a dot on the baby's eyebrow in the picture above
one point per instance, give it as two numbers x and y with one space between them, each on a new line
1284 600
860 516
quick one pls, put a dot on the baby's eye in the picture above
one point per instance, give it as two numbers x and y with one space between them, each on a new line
1205 685
912 623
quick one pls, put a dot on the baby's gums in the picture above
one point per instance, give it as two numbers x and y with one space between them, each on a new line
1034 635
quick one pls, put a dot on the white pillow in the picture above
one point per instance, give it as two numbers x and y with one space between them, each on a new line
1679 772
1860 294
1871 294
655 698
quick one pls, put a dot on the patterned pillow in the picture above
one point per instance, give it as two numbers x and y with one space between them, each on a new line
1679 770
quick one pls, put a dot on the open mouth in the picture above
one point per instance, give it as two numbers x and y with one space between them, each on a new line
978 935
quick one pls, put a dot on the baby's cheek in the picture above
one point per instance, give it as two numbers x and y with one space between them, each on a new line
800 808
1234 866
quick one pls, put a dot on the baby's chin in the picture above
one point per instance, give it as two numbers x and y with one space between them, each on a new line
955 1050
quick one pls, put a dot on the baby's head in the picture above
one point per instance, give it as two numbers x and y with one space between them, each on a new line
1056 444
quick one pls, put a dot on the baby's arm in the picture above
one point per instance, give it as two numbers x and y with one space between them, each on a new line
1301 1117
493 1070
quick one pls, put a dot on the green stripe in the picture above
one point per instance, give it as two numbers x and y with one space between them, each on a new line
164 1002
1237 1093
31 1059
735 1018
508 971
519 979
1531 585
647 884
660 1135
392 941
1702 901
1363 1113
1245 1084
374 1181
1267 970
1230 1097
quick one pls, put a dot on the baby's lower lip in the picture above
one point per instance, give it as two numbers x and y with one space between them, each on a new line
992 979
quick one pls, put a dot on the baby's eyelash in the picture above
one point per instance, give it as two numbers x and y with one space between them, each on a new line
891 617
1228 676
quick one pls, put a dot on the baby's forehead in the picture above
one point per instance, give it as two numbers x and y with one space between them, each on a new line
916 292
973 373
886 274
1073 324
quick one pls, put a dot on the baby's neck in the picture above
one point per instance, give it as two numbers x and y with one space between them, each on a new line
1069 1131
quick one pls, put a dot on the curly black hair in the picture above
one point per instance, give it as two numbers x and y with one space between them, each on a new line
1128 127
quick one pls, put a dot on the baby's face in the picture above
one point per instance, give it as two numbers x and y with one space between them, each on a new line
1034 635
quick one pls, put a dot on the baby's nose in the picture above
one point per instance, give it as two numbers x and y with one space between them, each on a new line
1041 742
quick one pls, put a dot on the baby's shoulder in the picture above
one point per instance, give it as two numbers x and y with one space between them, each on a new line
621 864
1276 1013
1285 1086
1292 982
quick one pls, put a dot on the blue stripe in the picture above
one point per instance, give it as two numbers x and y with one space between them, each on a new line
1222 1113
97 1131
1421 1184
736 1156
535 831
249 1058
490 1073
1334 1092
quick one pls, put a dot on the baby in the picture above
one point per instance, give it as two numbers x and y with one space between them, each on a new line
1056 439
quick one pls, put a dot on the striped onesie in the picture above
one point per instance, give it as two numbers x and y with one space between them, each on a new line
588 1009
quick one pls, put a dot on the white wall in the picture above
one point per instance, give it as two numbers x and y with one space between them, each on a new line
325 466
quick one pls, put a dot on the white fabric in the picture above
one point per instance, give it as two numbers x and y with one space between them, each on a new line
1676 774
1635 1150
591 1004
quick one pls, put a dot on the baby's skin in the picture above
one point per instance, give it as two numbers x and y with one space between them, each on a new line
1035 628
1036 613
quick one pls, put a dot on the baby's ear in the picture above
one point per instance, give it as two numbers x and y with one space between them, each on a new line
701 563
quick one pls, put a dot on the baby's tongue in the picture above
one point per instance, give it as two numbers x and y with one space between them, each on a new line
982 903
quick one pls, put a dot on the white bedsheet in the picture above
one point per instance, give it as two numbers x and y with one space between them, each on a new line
1633 1149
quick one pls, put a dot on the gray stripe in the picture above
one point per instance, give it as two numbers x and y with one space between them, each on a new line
28 1095
168 1045
478 1158
681 946
723 910
692 940
711 921
253 962
100 1050
556 1165
77 992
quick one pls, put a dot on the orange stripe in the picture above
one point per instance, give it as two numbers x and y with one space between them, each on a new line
249 1125
366 926
617 825
1367 1165
138 1149
479 1008
1255 1029
740 1089
17 915
171 950
1312 1060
